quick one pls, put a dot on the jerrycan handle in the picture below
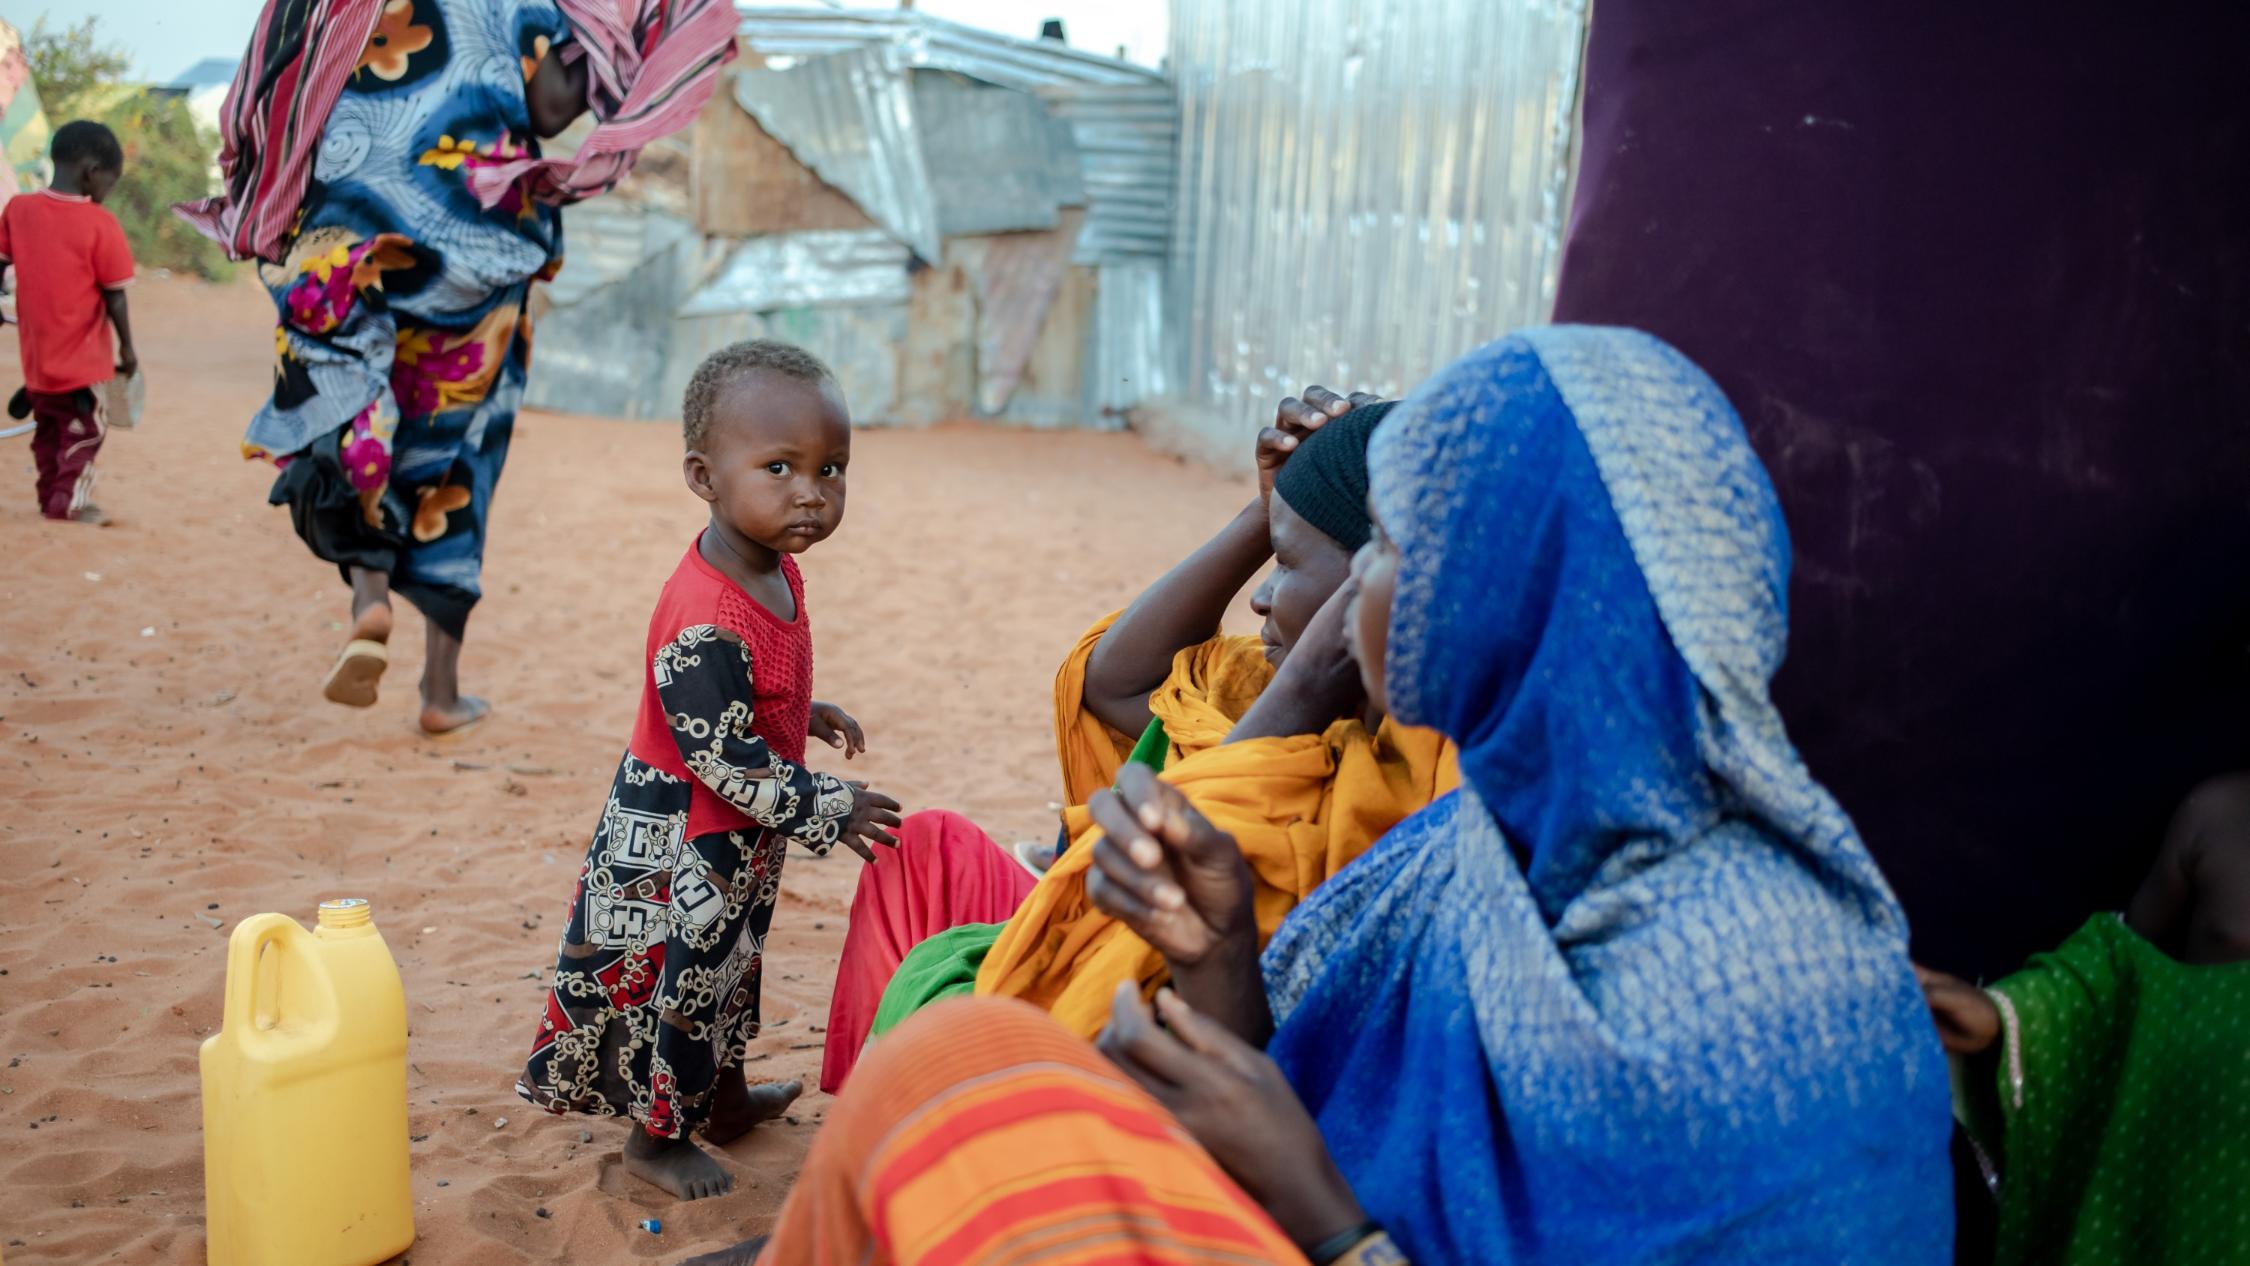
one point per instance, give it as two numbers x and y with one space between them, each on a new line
245 952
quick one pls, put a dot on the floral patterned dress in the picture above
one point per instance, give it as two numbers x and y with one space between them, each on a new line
656 982
404 332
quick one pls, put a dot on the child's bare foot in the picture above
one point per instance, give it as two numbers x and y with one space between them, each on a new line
452 718
676 1165
736 1106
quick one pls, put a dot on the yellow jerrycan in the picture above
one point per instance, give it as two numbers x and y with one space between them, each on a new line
304 1097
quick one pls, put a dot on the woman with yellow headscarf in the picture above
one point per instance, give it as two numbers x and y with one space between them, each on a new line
1269 736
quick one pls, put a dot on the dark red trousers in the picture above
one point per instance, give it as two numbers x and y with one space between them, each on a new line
69 433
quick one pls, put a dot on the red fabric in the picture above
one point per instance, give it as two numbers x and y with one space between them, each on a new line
781 671
72 251
944 873
69 433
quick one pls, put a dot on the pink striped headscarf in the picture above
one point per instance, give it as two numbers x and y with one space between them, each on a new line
650 67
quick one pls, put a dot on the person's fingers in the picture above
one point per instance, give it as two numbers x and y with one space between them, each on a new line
884 817
1274 444
1115 1043
882 837
1163 810
1362 399
876 799
1115 815
1151 891
1149 796
1146 1043
852 842
833 739
857 735
1204 1035
1117 902
1328 402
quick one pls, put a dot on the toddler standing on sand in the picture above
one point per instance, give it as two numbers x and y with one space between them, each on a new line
656 988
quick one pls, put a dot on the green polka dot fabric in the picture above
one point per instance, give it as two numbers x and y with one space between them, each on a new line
2124 1082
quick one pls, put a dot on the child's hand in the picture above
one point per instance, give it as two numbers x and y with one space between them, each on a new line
835 727
128 362
1296 419
872 813
1967 1021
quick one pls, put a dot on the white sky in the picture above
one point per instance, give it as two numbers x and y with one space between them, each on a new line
165 37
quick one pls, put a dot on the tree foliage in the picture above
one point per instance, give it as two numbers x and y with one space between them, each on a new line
80 76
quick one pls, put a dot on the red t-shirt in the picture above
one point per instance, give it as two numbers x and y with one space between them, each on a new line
65 251
781 676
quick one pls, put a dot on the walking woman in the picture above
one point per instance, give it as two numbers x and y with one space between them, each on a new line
384 167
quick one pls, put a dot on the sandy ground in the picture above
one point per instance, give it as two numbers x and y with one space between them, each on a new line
166 762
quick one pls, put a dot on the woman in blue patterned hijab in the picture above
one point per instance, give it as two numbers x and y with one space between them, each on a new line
1636 993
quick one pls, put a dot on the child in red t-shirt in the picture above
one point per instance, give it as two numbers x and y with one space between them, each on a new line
655 995
72 267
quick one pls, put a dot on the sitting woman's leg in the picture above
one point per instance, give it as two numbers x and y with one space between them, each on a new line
981 1130
944 873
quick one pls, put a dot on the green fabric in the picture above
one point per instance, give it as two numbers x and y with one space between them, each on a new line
944 966
1153 749
2124 1082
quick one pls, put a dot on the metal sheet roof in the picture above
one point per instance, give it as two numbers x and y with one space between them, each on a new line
1123 119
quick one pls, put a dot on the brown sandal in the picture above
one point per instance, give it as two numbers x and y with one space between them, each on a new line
352 681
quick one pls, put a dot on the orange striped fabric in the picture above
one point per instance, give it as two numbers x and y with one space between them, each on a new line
981 1131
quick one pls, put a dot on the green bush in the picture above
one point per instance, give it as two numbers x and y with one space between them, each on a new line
166 160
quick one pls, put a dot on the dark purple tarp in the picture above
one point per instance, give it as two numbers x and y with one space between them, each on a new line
1977 277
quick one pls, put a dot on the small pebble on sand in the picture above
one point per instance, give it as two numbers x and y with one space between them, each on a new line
500 1124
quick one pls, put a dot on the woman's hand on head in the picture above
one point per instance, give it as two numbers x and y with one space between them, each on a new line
1295 419
1236 1103
1161 869
1968 1021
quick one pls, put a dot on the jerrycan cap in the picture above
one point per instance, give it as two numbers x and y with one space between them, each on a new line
346 912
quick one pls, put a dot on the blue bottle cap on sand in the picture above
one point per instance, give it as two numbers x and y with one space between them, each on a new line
652 1226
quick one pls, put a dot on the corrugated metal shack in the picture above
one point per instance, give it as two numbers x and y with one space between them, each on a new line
962 224
1368 189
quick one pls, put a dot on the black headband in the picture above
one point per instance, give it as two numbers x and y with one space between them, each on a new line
1325 480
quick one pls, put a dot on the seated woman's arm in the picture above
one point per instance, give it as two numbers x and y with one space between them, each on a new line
1185 606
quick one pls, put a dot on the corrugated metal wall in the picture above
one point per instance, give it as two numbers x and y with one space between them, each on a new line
1367 189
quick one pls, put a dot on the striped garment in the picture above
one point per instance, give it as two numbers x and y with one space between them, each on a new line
982 1131
300 55
650 67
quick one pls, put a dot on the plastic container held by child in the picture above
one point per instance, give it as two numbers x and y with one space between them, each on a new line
304 1097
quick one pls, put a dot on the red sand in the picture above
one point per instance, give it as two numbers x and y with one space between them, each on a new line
165 758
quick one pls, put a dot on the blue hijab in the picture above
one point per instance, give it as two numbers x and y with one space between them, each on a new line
1636 992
